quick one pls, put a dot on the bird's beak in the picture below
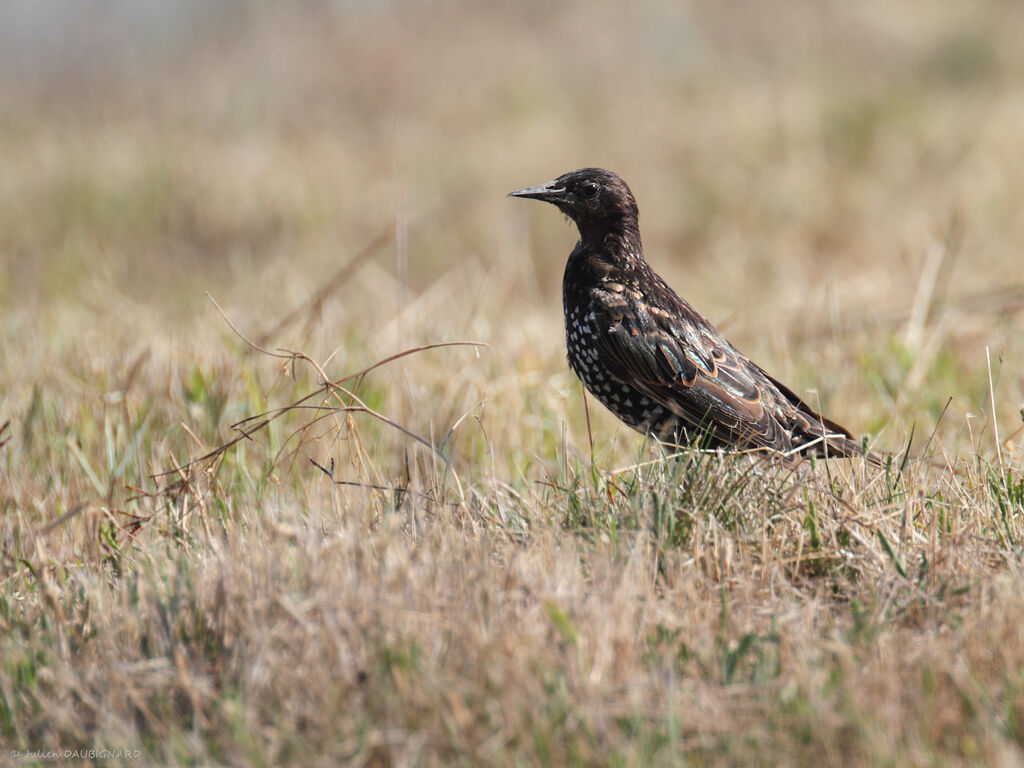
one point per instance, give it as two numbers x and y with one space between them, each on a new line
551 192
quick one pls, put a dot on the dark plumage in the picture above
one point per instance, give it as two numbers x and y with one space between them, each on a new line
649 356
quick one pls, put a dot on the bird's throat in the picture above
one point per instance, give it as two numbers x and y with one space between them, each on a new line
619 246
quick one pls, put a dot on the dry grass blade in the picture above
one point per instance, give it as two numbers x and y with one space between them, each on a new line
312 306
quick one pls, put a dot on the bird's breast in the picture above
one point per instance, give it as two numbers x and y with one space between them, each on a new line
585 323
582 329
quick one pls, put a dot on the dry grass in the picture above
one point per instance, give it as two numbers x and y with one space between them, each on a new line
432 562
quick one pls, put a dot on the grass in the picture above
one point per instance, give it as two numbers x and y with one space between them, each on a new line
292 470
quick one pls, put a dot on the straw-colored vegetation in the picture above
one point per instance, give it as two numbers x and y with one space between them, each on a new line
433 562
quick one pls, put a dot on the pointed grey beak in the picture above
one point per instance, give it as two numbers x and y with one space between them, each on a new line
550 192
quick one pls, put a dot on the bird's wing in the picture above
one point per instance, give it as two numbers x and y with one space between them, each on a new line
808 427
689 369
809 420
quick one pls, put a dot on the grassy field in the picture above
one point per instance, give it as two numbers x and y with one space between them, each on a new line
293 471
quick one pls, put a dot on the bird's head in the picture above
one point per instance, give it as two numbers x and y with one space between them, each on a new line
597 200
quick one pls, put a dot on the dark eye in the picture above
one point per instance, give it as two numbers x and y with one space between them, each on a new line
589 189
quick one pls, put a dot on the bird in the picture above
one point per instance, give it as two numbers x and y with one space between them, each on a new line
652 359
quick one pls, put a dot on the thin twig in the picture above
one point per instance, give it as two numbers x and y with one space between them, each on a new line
368 486
265 418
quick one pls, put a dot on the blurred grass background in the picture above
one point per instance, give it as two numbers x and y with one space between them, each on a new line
835 185
797 166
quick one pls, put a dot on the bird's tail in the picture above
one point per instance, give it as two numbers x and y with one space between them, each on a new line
814 434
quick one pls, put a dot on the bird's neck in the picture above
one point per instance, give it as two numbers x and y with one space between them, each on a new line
617 245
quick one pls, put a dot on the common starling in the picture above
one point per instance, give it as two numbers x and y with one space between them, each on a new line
650 357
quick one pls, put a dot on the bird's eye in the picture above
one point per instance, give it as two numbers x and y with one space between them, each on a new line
589 189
